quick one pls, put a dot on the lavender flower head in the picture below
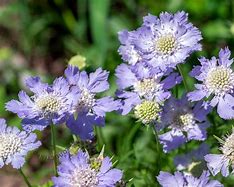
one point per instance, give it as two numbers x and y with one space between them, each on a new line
217 82
49 103
89 109
222 162
160 42
15 144
185 121
179 179
141 88
80 170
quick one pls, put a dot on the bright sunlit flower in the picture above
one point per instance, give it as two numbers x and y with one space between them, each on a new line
48 104
217 83
160 42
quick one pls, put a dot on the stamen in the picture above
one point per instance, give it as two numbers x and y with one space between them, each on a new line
228 147
146 86
220 80
182 120
49 104
84 178
86 101
166 44
148 111
9 145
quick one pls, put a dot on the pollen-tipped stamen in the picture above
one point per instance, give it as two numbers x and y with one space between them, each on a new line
148 112
9 145
227 147
84 178
220 80
146 86
49 104
166 44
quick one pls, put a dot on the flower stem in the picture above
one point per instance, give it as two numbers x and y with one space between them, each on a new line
158 149
25 178
183 76
100 138
53 134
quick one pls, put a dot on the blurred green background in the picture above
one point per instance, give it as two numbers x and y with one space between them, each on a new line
40 37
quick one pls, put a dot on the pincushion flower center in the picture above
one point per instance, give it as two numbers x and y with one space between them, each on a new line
9 145
145 86
48 104
228 147
166 44
183 120
220 80
86 100
84 178
148 111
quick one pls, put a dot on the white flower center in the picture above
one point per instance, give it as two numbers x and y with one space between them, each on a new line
86 101
146 86
9 145
148 112
220 80
183 120
49 104
166 44
228 147
84 178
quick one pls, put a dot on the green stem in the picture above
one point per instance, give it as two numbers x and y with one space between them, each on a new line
25 178
158 149
183 76
100 138
53 142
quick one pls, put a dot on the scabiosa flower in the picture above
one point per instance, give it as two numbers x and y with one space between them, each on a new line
89 109
181 180
217 79
185 120
192 159
79 170
49 103
143 85
221 162
14 145
161 42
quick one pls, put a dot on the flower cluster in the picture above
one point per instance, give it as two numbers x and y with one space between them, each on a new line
145 83
151 54
69 100
144 90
